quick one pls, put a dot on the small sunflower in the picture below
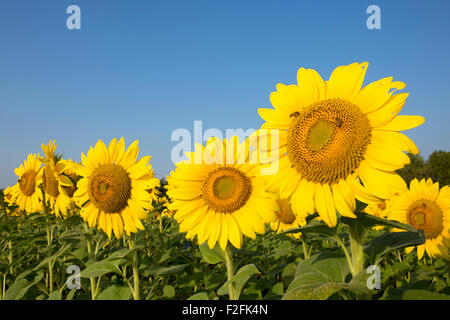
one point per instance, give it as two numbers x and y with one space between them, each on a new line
69 177
55 195
112 192
10 208
26 194
380 209
219 195
286 219
426 208
338 141
7 195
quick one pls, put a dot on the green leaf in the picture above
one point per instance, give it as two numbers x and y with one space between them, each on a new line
276 292
169 291
99 268
212 256
158 271
366 221
80 253
318 277
55 295
20 287
392 293
315 226
199 296
122 253
115 292
386 243
239 279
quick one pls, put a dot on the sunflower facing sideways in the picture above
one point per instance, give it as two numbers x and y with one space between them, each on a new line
56 196
426 208
218 194
112 191
26 194
286 219
339 141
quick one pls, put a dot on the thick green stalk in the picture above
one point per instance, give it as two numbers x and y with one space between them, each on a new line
356 247
305 249
230 272
347 255
10 256
4 287
49 249
91 257
135 265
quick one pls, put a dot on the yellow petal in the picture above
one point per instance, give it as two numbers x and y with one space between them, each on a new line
344 199
346 81
401 123
311 88
375 94
325 205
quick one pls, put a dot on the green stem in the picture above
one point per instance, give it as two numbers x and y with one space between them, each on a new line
160 224
230 272
10 256
135 265
4 286
356 249
347 255
91 257
49 250
305 249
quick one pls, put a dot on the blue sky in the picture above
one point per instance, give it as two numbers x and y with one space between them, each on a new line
141 69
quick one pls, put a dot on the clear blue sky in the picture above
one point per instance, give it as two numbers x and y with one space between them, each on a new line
141 69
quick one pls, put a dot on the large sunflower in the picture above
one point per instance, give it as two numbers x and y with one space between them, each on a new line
26 193
112 193
219 195
286 219
56 196
426 208
335 135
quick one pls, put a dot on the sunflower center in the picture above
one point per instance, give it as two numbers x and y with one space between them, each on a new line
109 188
320 135
285 214
27 183
427 216
327 140
226 189
49 182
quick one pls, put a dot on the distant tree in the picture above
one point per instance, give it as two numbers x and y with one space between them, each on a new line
416 169
439 164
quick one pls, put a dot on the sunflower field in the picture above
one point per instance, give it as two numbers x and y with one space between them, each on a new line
310 206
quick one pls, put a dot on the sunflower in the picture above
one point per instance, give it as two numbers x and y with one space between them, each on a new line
8 205
218 195
426 208
7 195
56 196
286 219
26 193
69 177
338 141
112 191
378 209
